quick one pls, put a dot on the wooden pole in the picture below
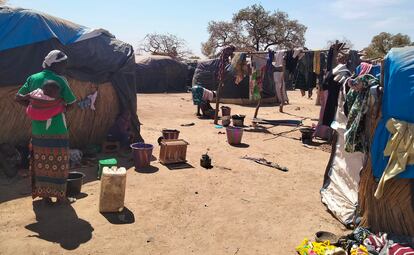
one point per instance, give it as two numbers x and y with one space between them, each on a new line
258 106
218 95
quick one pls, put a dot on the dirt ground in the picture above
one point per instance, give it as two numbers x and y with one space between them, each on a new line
238 207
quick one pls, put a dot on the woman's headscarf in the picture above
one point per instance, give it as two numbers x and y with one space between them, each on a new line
55 56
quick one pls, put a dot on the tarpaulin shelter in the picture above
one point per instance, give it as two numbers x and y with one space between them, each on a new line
159 74
205 75
394 211
97 61
352 179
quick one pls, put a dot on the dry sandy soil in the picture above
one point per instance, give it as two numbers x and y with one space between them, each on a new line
238 207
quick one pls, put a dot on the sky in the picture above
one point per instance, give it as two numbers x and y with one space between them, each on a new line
131 20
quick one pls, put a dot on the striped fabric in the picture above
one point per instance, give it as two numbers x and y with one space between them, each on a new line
398 249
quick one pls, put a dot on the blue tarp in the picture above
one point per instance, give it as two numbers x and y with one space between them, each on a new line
19 27
397 102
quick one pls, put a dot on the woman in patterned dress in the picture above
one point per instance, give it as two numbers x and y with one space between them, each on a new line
49 165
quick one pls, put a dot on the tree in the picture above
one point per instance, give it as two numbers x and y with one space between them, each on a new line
383 42
222 34
267 29
254 28
166 45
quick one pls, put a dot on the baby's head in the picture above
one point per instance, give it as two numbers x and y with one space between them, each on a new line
51 88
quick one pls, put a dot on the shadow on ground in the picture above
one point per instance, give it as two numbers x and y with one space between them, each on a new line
18 187
123 217
59 224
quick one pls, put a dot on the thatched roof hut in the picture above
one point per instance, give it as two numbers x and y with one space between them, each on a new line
97 62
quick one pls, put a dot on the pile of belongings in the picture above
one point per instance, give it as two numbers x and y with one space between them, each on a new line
360 242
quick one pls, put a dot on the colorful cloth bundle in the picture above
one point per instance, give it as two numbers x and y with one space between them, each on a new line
314 248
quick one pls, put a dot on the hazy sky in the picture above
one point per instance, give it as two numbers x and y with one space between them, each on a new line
130 21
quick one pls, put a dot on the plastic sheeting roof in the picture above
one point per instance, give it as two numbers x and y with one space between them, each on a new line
397 102
19 27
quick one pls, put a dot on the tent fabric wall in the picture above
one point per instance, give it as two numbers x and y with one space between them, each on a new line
340 189
159 74
100 59
398 103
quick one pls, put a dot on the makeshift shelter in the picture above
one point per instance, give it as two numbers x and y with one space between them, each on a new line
97 61
159 74
394 211
351 180
205 75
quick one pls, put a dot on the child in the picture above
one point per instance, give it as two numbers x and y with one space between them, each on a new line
44 103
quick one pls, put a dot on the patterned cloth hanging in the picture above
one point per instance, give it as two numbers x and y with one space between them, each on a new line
224 61
357 102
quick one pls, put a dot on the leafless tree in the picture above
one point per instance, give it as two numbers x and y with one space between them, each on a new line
166 45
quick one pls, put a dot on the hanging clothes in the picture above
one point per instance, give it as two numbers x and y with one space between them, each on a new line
400 149
291 61
278 77
306 78
317 62
329 61
357 102
238 67
224 61
354 59
332 84
258 64
366 68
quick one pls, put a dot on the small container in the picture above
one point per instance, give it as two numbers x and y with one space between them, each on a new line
225 121
142 153
112 194
307 134
110 162
173 151
74 184
234 135
169 134
238 120
225 111
205 161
